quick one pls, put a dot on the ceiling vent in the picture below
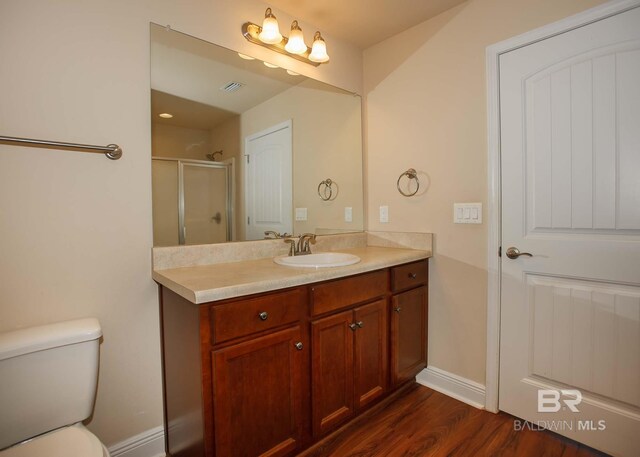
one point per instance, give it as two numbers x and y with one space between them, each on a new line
231 86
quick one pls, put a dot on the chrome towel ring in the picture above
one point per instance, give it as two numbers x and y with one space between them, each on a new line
325 189
412 175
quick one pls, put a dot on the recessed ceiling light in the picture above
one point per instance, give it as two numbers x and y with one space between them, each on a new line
293 73
270 65
246 57
165 115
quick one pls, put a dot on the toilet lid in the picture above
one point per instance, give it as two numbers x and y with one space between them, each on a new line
71 441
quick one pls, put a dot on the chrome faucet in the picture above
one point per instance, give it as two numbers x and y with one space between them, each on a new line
302 246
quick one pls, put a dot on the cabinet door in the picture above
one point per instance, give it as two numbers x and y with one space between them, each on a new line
371 363
331 371
408 334
257 395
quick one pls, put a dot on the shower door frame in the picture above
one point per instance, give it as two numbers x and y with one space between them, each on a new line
227 166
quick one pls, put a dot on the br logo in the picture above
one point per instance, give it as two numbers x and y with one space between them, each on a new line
551 400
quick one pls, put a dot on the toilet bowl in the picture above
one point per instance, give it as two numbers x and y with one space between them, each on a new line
49 377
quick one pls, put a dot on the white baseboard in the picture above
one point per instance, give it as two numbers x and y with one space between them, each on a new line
454 386
147 444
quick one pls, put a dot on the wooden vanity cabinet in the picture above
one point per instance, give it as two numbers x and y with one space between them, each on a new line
409 314
271 373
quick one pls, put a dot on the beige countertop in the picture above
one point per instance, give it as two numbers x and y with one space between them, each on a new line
205 283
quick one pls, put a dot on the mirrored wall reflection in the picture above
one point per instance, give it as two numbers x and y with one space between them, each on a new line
240 149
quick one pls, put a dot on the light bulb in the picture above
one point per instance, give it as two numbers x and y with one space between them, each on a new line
165 115
270 33
270 65
296 44
319 50
245 57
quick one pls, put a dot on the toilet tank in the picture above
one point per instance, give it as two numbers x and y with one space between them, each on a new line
48 377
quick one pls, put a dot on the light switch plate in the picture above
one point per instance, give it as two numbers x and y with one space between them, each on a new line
348 214
301 214
384 214
467 213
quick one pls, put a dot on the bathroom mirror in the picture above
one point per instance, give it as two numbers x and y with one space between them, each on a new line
240 148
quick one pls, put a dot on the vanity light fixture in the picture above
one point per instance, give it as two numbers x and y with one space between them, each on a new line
269 36
165 115
295 43
245 57
293 73
270 32
319 50
270 65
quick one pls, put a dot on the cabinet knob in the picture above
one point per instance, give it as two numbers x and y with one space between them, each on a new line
397 310
360 324
298 346
353 327
413 275
263 316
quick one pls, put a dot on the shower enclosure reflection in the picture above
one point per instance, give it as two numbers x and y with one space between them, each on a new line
202 194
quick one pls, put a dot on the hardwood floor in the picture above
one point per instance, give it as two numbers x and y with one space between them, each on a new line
423 422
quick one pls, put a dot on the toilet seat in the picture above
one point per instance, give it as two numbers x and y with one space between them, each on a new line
72 441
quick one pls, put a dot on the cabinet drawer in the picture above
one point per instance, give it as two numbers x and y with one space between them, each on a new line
410 275
341 293
240 318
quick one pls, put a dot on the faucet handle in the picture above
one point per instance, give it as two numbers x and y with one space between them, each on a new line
292 248
303 243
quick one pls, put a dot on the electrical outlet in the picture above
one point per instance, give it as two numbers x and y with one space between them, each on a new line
384 214
301 214
348 214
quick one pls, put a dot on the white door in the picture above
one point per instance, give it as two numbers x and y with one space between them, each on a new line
570 152
268 181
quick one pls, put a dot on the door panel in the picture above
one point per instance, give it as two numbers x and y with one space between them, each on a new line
408 334
205 204
331 371
268 182
371 371
257 391
570 160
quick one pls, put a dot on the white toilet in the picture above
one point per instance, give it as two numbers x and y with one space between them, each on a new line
48 380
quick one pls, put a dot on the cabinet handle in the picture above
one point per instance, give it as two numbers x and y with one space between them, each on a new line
298 346
360 324
263 316
353 327
412 276
397 310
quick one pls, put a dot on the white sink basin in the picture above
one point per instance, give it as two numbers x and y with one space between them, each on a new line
319 260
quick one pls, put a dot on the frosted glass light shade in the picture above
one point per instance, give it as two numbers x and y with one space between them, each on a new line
270 33
319 50
296 44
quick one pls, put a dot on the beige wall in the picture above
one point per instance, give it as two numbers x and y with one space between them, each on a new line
327 143
76 228
226 137
425 95
180 142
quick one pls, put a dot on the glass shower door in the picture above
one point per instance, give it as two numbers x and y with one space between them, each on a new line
205 204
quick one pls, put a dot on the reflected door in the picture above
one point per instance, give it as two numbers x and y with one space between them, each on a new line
205 197
268 181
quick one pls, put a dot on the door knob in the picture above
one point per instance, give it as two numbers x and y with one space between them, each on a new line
360 324
298 345
353 327
263 316
514 253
